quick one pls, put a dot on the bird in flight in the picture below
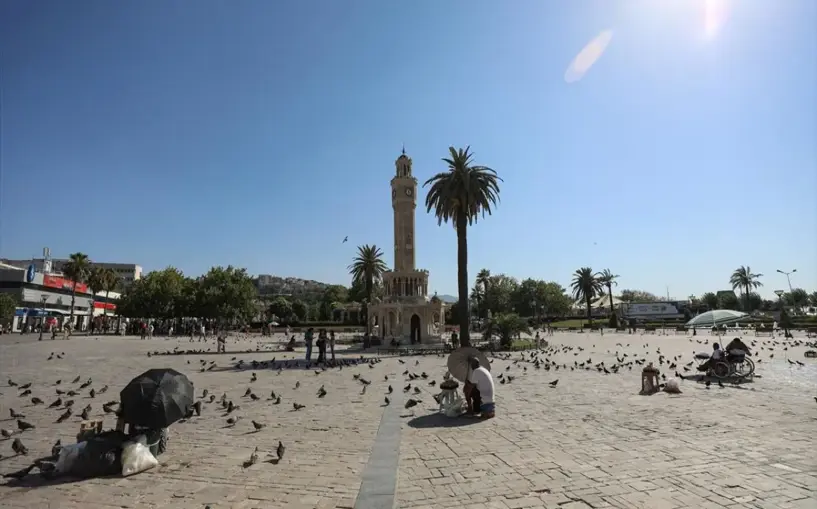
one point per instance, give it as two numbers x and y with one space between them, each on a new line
345 239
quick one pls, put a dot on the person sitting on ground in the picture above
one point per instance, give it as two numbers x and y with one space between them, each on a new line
479 391
717 355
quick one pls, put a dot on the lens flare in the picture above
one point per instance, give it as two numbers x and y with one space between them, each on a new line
588 56
714 17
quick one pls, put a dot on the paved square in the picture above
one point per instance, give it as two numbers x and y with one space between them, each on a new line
589 442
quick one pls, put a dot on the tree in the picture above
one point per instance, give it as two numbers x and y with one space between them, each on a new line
540 299
585 287
502 290
710 300
299 310
227 295
77 270
796 298
332 295
754 302
460 195
8 306
281 309
744 279
110 282
368 267
727 300
607 279
638 296
812 298
481 285
96 284
506 326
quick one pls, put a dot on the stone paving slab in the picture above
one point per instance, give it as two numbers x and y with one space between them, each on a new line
589 442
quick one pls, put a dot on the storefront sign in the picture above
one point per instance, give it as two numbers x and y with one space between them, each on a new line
63 283
110 306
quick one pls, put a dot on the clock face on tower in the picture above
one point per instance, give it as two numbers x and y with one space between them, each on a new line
409 192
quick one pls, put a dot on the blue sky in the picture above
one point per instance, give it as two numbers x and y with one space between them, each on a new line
260 133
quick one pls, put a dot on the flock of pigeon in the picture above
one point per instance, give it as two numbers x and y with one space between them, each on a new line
552 359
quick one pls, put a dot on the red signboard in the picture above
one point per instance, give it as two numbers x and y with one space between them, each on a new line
105 305
63 283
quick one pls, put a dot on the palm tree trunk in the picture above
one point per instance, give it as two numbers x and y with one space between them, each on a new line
613 317
589 315
369 288
105 311
462 280
73 299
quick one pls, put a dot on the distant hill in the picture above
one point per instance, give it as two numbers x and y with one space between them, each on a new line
448 299
296 287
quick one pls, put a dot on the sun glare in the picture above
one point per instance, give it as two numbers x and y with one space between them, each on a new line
588 56
714 17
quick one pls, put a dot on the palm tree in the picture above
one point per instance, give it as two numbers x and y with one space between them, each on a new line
110 282
607 279
460 195
483 281
77 270
96 284
746 281
585 287
368 268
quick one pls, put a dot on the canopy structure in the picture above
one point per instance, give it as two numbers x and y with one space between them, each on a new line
716 317
604 301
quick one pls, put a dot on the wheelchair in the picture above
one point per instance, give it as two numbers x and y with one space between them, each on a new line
734 365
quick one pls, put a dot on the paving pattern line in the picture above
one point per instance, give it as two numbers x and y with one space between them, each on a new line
378 487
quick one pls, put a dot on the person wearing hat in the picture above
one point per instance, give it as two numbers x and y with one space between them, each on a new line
479 390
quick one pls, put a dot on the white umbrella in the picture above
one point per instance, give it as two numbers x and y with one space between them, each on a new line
716 317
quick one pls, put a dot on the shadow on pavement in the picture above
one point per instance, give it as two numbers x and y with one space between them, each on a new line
437 420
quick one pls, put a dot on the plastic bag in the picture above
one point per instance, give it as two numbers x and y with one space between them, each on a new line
672 386
136 458
68 457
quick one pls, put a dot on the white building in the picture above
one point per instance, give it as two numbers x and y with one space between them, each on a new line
127 272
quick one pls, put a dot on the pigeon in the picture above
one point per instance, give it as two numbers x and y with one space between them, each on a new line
247 392
391 389
26 386
387 401
345 239
708 383
554 383
92 393
197 408
23 425
204 393
6 433
56 448
232 420
280 450
55 404
411 403
36 401
25 393
69 403
77 379
297 406
258 426
253 459
85 414
15 415
254 397
277 401
64 416
321 392
18 447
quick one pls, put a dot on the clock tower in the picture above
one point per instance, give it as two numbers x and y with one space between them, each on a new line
404 203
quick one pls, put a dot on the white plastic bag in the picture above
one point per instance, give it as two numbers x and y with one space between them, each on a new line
136 458
672 386
68 456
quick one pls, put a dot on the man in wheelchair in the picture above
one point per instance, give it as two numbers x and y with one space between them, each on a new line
735 352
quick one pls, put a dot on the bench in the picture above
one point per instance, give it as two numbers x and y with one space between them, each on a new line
764 331
811 332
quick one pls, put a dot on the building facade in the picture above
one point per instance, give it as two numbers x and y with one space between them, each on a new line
127 272
46 298
406 312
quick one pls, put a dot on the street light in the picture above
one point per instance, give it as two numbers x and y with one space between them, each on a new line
43 299
788 275
788 278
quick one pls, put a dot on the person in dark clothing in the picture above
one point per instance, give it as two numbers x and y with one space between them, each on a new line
321 346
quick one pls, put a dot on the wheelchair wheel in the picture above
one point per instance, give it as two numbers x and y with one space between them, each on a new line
745 368
721 370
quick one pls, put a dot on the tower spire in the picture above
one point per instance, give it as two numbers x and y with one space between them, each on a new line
404 148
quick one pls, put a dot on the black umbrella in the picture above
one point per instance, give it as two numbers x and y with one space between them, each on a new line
157 398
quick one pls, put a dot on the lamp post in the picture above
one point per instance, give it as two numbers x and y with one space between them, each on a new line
43 300
788 279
